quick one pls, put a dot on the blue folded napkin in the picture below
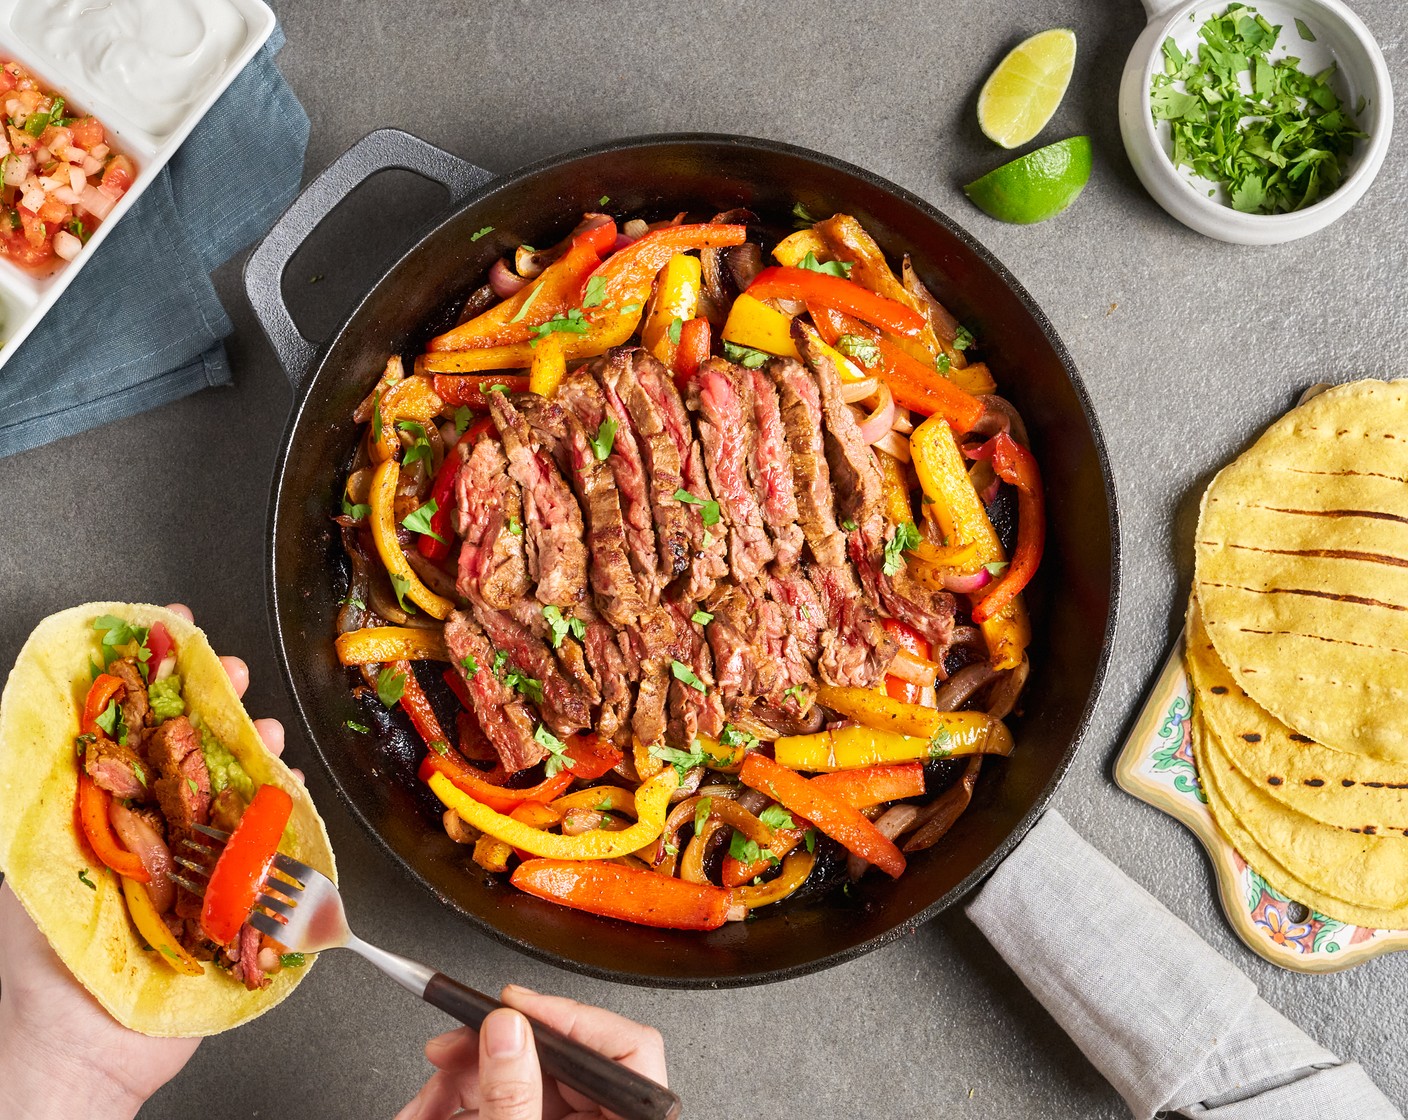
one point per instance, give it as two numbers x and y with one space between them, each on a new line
141 324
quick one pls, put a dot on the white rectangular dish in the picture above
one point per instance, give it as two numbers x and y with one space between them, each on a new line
149 70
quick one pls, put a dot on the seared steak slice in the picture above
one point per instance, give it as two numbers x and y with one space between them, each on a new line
618 376
613 675
708 560
556 556
504 717
855 650
492 564
743 664
183 789
727 432
136 712
648 719
770 468
246 967
564 706
692 712
804 615
593 402
902 596
570 659
117 769
801 420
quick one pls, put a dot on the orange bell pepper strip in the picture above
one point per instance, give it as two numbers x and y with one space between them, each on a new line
913 384
611 890
692 351
553 292
630 272
376 644
820 289
825 810
874 785
93 813
473 783
105 686
1015 464
907 638
591 756
413 398
470 390
155 931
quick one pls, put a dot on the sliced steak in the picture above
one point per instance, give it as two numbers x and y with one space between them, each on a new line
743 665
727 431
708 561
593 402
619 376
136 711
613 675
565 707
505 719
183 788
855 650
552 522
569 654
770 468
801 421
246 967
117 769
690 711
902 596
492 565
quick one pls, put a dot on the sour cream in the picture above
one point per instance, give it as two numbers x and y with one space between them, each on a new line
150 61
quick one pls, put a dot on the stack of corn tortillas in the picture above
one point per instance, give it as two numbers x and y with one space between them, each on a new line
1297 653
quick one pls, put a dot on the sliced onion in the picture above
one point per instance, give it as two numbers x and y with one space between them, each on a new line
894 445
880 422
913 669
854 391
504 280
967 584
635 229
100 151
268 960
143 841
17 170
959 687
165 668
904 423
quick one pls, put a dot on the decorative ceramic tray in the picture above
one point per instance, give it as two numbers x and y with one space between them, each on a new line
217 37
1156 765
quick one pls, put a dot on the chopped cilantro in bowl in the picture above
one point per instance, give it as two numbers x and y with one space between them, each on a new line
1263 134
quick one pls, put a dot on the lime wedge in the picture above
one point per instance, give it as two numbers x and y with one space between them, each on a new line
1021 95
1036 186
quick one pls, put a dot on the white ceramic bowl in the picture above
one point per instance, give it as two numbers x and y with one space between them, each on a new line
1340 36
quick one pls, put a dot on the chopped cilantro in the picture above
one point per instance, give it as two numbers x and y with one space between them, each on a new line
862 349
355 510
527 303
470 666
804 220
419 451
849 525
996 568
390 686
963 338
744 356
604 440
940 744
440 747
498 387
137 768
291 960
191 783
117 634
500 660
682 761
111 722
672 849
630 309
703 618
87 882
418 520
376 416
701 814
708 511
798 692
462 415
514 526
360 728
775 817
596 291
603 200
943 363
905 537
732 736
561 625
557 759
707 539
682 672
400 584
481 232
674 329
570 323
742 849
809 838
1305 32
830 268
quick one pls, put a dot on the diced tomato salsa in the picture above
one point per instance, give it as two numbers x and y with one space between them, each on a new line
59 177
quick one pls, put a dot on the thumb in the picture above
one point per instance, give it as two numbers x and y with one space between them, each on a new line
510 1083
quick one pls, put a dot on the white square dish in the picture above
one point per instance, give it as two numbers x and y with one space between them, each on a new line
146 119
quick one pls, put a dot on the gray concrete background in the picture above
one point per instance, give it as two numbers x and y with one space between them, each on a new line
1188 346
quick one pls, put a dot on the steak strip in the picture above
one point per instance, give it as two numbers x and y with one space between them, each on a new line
770 468
492 564
507 722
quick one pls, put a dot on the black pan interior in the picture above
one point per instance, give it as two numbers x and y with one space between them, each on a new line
1073 601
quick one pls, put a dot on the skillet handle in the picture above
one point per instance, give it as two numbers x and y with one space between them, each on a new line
377 151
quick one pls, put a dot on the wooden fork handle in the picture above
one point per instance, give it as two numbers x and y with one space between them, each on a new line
607 1082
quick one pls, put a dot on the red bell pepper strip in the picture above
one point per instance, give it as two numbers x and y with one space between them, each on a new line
100 693
469 388
474 783
819 289
630 271
441 493
907 637
1015 464
692 350
913 384
417 706
591 756
93 813
825 810
874 785
243 865
613 890
599 239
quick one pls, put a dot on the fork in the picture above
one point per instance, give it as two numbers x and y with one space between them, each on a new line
305 913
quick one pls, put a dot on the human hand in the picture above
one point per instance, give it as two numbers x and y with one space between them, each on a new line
494 1074
61 1054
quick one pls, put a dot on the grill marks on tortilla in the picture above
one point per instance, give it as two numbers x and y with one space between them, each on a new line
1373 514
1313 593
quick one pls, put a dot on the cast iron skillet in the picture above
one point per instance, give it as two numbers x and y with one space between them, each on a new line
1074 601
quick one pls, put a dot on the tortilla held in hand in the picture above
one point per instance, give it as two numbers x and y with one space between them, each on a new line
120 732
1302 569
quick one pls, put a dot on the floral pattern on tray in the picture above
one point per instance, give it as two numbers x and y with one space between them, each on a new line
1156 765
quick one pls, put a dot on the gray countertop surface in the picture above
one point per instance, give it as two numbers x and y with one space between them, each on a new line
1188 347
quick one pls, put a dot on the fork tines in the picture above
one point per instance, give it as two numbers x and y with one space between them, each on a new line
199 871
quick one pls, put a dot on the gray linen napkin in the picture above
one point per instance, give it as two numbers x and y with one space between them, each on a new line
1180 1030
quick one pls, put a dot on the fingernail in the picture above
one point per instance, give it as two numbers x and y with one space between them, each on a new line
505 1034
519 990
440 1041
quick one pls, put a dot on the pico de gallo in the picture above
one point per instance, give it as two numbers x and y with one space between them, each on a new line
59 176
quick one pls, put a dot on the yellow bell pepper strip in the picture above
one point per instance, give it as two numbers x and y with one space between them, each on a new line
826 811
960 515
647 765
558 288
792 250
722 758
883 712
415 399
1016 465
795 869
754 324
894 490
491 854
959 557
652 801
676 297
606 799
475 783
850 748
376 644
973 378
820 289
611 890
154 931
549 367
388 547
